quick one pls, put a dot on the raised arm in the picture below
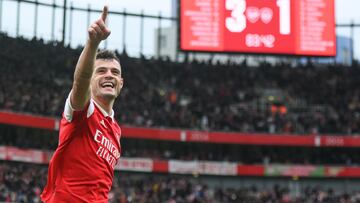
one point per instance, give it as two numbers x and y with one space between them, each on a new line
97 32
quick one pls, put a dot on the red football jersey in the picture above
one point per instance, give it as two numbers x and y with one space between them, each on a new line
82 167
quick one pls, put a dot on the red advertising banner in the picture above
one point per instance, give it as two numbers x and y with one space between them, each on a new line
16 154
135 164
248 138
294 171
203 167
26 120
183 167
305 27
197 167
3 153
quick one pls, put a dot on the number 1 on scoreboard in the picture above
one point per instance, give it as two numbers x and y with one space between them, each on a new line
284 7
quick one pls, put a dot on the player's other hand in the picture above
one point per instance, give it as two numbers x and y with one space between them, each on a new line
98 31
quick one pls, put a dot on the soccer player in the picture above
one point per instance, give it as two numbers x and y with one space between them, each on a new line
82 167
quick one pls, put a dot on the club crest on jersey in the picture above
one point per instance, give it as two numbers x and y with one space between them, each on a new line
117 136
102 122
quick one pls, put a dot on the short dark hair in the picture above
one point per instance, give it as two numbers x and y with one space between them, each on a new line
107 55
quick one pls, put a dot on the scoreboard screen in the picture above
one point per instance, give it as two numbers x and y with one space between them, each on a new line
291 27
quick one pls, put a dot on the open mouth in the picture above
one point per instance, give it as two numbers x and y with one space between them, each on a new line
107 84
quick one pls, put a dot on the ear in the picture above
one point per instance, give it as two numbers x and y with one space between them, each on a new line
120 86
121 83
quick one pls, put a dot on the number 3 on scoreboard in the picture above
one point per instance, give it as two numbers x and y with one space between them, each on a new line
237 21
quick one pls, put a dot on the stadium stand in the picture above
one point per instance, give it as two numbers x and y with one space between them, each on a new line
23 182
192 95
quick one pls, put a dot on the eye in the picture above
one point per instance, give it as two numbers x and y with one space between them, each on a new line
101 70
116 72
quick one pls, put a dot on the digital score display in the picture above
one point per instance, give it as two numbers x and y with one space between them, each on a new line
291 27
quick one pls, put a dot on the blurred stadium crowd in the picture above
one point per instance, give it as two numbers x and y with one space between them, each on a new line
23 182
37 77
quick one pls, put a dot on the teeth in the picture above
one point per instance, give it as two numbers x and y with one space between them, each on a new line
107 84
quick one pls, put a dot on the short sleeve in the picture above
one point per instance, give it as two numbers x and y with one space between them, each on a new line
68 109
70 112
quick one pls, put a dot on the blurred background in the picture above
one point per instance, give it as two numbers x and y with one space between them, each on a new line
224 100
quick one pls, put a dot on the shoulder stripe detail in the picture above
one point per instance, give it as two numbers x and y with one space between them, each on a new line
68 110
91 109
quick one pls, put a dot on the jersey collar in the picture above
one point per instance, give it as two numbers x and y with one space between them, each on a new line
104 112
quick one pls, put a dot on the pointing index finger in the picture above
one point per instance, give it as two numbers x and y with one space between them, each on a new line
104 13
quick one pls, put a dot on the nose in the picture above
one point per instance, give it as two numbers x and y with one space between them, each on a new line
109 74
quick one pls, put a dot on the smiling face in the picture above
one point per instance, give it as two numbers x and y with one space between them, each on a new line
106 81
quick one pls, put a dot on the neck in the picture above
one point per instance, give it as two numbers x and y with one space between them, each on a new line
107 105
